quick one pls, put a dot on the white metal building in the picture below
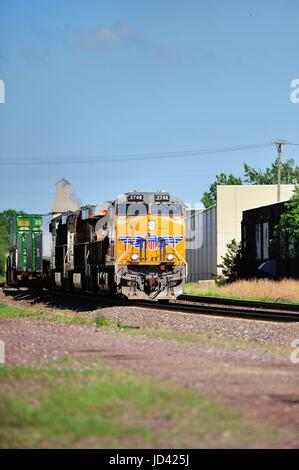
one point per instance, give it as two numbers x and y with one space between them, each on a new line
218 225
201 243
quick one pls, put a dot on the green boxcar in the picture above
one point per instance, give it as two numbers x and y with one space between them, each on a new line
25 254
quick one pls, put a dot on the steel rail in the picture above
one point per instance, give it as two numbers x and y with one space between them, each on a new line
241 303
197 307
224 311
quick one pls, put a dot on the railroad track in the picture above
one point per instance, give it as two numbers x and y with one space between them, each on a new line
241 303
226 309
196 305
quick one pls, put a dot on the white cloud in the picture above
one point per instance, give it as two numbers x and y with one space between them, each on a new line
99 38
125 35
109 36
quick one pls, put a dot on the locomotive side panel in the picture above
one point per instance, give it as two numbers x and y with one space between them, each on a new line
81 256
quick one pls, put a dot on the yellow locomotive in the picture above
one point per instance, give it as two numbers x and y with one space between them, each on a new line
150 239
132 247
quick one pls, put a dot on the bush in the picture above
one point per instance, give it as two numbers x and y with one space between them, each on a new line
230 265
101 321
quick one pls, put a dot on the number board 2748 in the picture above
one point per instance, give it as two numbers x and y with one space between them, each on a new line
135 197
162 197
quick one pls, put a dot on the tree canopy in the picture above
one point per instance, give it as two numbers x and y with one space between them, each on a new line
288 226
289 175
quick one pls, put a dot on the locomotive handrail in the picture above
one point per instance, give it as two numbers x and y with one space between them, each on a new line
184 261
123 254
180 256
64 270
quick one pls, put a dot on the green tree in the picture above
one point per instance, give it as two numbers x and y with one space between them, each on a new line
230 265
5 218
210 197
289 173
288 227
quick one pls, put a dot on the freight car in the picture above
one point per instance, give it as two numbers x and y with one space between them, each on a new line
133 247
24 262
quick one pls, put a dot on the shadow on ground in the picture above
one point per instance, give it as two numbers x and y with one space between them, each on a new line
59 300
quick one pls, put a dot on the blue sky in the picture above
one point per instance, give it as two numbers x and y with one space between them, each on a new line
99 78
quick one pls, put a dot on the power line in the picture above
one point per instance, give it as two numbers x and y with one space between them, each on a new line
129 157
96 178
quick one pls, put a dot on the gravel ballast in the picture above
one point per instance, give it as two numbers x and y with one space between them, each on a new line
244 363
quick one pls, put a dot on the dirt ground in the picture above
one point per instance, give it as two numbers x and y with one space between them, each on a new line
262 382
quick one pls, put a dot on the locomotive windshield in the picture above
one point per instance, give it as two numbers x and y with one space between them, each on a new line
166 209
132 209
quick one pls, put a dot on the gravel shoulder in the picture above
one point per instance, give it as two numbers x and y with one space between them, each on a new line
243 363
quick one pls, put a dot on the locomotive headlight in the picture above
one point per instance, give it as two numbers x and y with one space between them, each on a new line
169 257
151 225
134 257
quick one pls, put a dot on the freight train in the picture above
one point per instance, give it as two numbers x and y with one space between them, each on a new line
134 246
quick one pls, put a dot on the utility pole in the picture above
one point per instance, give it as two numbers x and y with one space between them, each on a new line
279 144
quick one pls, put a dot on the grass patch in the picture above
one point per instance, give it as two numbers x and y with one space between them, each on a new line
7 311
67 317
101 408
286 290
101 321
162 333
208 339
